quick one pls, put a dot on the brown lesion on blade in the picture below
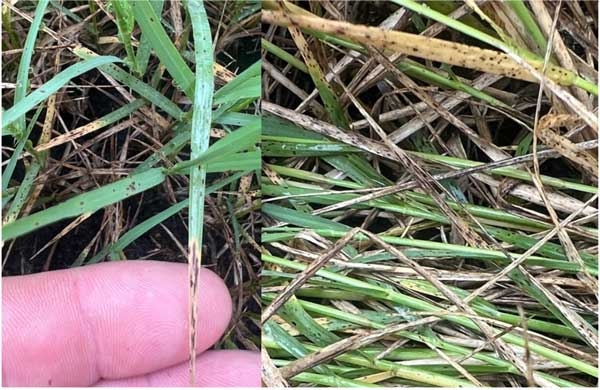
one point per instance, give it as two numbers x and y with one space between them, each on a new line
195 260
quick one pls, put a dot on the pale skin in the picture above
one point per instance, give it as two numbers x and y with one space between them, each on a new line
117 324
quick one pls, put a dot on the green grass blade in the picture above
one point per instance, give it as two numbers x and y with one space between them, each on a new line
145 90
21 196
250 89
245 161
12 162
274 331
283 55
228 92
201 121
164 48
506 171
330 381
88 202
293 313
243 138
530 24
25 63
145 49
53 85
298 218
125 25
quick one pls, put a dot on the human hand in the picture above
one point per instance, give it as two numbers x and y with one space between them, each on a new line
117 324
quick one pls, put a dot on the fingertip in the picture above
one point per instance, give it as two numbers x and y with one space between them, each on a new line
229 369
214 369
110 320
220 298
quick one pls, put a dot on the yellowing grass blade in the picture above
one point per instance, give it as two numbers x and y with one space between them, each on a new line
433 49
201 120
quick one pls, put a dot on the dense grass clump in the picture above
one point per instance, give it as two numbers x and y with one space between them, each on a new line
430 193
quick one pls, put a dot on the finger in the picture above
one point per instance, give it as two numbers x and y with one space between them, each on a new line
215 369
112 320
